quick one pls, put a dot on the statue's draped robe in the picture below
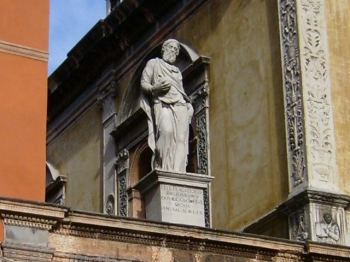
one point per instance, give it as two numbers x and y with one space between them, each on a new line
168 122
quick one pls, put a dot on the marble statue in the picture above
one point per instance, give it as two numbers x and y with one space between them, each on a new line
328 230
168 108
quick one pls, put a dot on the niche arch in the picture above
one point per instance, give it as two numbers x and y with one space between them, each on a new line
131 122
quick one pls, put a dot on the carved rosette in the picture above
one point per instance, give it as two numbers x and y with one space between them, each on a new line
316 79
293 92
110 205
122 167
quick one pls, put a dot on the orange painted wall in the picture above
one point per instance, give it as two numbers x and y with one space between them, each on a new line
25 22
24 28
23 127
23 96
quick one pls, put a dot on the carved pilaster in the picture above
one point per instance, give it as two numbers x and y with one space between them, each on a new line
106 100
308 107
293 94
206 207
316 82
122 167
201 105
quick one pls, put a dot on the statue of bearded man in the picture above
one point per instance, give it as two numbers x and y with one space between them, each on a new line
168 108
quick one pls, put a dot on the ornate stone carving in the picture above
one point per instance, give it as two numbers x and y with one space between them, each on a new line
300 230
122 195
122 161
110 205
122 166
30 215
202 145
307 93
327 230
317 82
200 98
206 207
293 92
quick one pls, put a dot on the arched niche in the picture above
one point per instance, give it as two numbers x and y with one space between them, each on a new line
131 122
55 185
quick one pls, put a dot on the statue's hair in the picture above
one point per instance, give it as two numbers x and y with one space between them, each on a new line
327 213
166 42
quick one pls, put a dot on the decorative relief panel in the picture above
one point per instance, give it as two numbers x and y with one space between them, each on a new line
201 105
122 195
122 167
206 207
316 78
328 225
309 119
293 92
299 226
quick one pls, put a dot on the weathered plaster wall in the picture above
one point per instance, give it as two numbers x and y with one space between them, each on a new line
247 134
337 12
77 154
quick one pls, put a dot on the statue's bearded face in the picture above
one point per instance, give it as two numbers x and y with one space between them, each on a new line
170 51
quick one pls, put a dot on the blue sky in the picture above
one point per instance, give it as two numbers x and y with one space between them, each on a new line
70 20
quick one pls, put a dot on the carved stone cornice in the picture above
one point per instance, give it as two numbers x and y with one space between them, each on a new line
313 196
92 227
319 252
172 236
26 214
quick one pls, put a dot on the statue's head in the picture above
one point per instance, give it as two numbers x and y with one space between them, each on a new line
327 217
170 50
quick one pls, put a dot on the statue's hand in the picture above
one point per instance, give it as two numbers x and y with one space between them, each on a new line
161 85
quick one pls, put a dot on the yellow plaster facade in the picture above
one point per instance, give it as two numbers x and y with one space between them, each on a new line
247 133
339 37
77 154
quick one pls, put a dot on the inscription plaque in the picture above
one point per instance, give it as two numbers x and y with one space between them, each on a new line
183 205
179 198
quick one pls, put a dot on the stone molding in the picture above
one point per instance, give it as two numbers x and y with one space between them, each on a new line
25 51
77 226
22 252
28 214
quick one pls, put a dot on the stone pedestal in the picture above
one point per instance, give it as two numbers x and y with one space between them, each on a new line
181 198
